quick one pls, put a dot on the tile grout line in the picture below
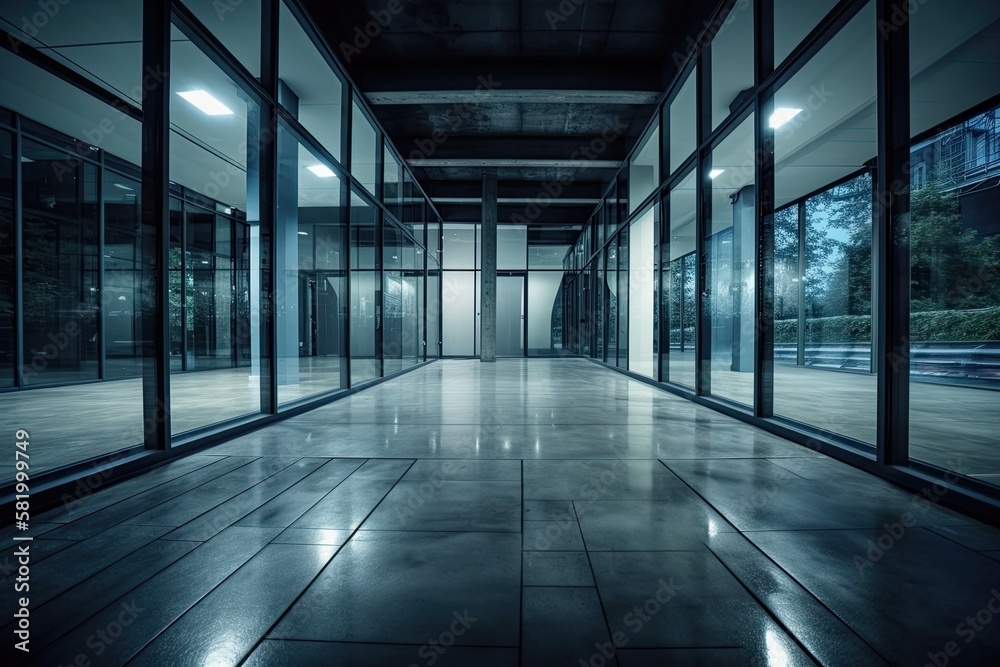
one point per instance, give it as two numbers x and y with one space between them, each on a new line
597 589
323 569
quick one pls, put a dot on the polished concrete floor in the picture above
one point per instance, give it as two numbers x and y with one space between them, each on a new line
519 513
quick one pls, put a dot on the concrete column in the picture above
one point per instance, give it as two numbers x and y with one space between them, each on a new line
488 264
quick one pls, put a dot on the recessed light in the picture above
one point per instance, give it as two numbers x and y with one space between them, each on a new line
715 173
206 103
123 187
782 115
303 233
322 171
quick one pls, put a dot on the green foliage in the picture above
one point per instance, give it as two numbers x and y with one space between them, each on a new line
953 326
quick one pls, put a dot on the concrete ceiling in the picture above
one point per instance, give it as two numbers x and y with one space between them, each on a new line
523 86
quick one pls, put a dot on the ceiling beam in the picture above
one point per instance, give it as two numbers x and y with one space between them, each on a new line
520 147
495 74
515 163
473 189
509 96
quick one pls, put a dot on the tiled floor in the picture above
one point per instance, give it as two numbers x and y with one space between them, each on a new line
520 513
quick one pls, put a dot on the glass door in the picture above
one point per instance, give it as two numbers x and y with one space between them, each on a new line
510 315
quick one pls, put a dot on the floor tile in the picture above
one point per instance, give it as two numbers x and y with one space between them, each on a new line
328 654
312 536
562 626
548 510
634 525
449 506
464 470
407 587
552 536
977 538
557 568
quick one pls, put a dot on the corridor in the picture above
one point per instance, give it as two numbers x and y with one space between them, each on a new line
528 512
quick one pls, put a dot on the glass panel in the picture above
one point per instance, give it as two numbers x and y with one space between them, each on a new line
58 105
392 300
8 347
732 61
235 24
122 277
317 93
682 283
364 140
821 139
512 247
459 246
730 240
642 240
955 238
683 123
545 313
392 186
510 316
611 304
311 262
623 294
644 170
105 50
789 288
547 256
458 297
433 314
365 364
793 20
213 124
60 250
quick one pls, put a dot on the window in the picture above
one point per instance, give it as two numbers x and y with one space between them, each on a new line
8 346
644 170
365 362
681 266
732 61
364 142
683 122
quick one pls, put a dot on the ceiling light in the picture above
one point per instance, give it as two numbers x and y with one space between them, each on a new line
715 173
322 171
303 233
206 103
123 187
782 115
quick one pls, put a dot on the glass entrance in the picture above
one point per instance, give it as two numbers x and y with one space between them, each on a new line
510 316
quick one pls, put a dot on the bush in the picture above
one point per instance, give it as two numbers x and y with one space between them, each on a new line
954 326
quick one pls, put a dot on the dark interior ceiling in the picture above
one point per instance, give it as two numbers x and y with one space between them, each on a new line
560 74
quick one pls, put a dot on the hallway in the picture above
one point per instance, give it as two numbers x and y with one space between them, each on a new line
528 512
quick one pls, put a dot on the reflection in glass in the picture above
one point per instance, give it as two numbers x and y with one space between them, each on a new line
681 282
214 294
732 61
364 140
641 285
365 292
955 238
730 242
8 349
823 236
683 123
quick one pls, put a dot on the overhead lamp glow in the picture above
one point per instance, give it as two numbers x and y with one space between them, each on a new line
715 173
322 171
206 103
782 115
123 187
303 233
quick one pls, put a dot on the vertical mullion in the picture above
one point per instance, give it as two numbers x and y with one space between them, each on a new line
891 239
267 198
800 354
101 296
346 148
18 258
156 225
764 212
703 215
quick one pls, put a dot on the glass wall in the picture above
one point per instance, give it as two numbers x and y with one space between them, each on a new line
214 121
730 269
78 255
641 286
825 129
644 170
680 264
311 258
827 230
955 238
8 351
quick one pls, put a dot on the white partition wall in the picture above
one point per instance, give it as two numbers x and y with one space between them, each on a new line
641 329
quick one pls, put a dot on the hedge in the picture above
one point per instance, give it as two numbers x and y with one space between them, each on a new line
954 326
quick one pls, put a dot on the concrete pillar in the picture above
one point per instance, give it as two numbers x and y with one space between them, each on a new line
488 264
